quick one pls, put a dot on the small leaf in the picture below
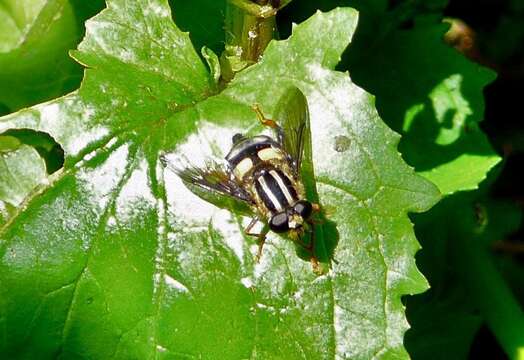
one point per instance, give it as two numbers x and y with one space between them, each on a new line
212 62
116 258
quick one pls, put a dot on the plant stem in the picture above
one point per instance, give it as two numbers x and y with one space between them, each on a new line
249 27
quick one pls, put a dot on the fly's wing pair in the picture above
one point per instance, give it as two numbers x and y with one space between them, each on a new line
292 117
215 185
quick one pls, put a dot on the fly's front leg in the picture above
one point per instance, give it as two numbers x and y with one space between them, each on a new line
314 260
261 240
269 122
316 210
309 247
248 228
261 237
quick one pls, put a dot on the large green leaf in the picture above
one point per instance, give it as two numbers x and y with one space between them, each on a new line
116 258
433 96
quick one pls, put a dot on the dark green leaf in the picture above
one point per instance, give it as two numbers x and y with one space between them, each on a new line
446 318
206 29
434 100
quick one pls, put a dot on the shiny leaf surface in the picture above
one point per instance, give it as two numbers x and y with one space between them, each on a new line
433 96
116 258
21 172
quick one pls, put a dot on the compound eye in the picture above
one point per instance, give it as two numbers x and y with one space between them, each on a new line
237 138
303 208
279 223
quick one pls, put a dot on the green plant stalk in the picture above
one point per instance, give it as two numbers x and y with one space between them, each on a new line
249 29
494 299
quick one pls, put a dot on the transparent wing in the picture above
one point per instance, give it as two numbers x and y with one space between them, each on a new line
292 115
213 184
214 178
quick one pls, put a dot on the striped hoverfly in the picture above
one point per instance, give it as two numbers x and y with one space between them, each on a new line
264 173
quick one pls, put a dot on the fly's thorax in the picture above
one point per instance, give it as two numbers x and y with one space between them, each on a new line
249 154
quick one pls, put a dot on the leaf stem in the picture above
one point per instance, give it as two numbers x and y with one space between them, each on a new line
493 297
250 26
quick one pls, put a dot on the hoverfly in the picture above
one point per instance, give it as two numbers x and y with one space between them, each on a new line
265 174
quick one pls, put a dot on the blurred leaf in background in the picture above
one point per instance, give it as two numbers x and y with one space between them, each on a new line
35 38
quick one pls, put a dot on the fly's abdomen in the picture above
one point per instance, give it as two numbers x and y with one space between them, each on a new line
275 189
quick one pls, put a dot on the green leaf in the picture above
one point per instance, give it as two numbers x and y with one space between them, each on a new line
21 171
433 96
116 258
426 91
446 318
15 181
35 37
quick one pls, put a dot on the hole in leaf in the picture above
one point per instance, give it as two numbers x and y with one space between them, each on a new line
48 149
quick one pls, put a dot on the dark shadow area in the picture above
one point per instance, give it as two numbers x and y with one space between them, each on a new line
204 19
384 41
331 239
326 240
485 346
44 144
4 110
445 308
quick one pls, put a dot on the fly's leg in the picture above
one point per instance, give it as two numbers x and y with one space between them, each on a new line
248 228
269 122
314 260
316 209
261 240
264 120
310 248
261 237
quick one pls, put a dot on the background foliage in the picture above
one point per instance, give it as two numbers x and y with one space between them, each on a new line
425 90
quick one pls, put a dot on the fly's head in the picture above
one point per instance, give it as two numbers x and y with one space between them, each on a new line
293 219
